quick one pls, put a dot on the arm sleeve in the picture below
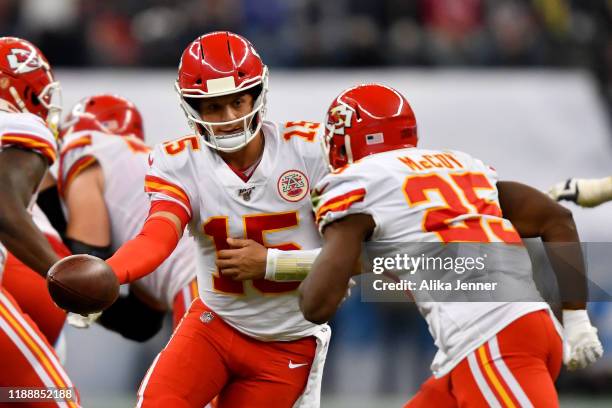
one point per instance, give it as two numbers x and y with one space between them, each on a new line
155 242
337 196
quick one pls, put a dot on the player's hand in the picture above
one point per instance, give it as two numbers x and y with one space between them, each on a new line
82 322
584 192
581 344
246 259
565 190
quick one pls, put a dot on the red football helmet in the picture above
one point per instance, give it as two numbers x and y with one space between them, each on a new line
26 81
105 113
216 64
365 120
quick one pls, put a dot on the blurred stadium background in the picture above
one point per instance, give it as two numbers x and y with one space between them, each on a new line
523 84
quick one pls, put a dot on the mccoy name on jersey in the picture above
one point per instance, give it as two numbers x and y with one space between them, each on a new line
428 196
272 207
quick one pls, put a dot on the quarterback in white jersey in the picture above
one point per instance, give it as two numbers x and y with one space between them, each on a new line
103 165
386 191
29 111
239 179
272 207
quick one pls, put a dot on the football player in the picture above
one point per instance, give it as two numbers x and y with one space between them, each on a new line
30 107
243 177
30 289
103 165
584 192
385 190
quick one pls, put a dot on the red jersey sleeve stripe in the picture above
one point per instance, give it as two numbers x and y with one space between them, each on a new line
341 203
158 185
75 144
31 142
76 169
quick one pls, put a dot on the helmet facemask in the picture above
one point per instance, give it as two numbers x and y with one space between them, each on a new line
51 99
251 122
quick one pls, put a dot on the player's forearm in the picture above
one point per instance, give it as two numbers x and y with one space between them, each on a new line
23 239
147 251
554 224
565 254
20 175
325 287
287 266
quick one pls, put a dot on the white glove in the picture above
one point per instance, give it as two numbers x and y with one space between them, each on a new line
565 190
82 322
581 346
584 192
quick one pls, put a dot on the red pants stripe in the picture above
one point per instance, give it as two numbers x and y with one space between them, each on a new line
30 291
27 358
206 357
515 368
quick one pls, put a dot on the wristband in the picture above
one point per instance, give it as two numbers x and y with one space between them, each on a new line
286 266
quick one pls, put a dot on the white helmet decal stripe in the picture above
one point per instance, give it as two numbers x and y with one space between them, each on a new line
221 84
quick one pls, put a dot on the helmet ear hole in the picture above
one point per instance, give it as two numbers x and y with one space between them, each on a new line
198 81
194 103
255 91
32 96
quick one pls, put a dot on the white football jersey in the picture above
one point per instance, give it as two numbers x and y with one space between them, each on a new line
272 207
29 132
421 196
124 164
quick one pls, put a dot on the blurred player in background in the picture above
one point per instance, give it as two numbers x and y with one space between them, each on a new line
239 176
102 167
584 192
385 190
30 108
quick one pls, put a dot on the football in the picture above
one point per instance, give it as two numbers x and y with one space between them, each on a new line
82 284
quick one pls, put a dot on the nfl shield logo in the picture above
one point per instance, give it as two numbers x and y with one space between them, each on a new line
245 193
207 317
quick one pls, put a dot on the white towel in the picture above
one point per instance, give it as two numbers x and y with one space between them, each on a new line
311 397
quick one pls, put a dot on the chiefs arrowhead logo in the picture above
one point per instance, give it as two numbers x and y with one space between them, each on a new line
338 118
23 61
293 185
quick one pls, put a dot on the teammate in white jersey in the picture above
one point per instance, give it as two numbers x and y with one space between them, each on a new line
238 177
386 191
29 288
29 109
103 164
